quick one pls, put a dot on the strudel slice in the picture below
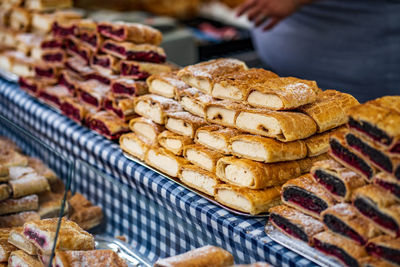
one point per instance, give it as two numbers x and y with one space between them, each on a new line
20 19
27 203
31 85
42 22
346 251
204 256
295 223
41 169
128 87
283 125
183 123
195 101
46 72
51 43
379 207
385 248
199 179
74 48
104 78
21 64
18 219
216 137
248 200
338 180
166 84
93 92
232 86
319 143
104 63
5 250
54 95
224 112
27 41
155 107
306 195
18 239
267 150
70 80
123 107
20 258
78 66
16 172
389 183
84 213
50 205
29 184
107 124
202 75
146 128
283 93
74 109
201 156
141 70
99 258
134 145
174 142
64 28
165 161
42 5
5 192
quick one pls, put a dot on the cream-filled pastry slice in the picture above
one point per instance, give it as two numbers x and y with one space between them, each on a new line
20 19
155 107
11 205
5 191
18 239
42 5
135 145
166 84
20 258
165 161
216 137
195 101
267 149
224 112
202 157
184 123
146 128
174 142
199 179
29 184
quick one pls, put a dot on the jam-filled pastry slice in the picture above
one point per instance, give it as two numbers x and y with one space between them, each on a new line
20 258
142 70
201 76
267 150
75 48
123 107
49 43
100 258
283 93
11 205
47 73
319 143
155 107
255 175
174 142
348 252
43 5
224 112
282 125
71 237
344 219
146 128
337 179
128 87
330 109
231 86
31 183
54 95
104 63
93 92
200 179
20 19
165 161
70 80
64 28
379 207
102 77
216 137
306 195
31 85
54 57
78 66
5 192
202 157
385 248
295 223
389 183
134 32
107 124
18 239
74 109
18 219
42 22
166 84
183 123
195 101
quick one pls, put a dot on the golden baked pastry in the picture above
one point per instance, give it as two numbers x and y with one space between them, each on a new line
105 63
146 128
195 101
99 258
166 84
27 203
319 143
50 204
20 258
128 87
18 219
84 213
135 145
385 248
155 107
54 95
183 123
216 137
388 182
5 250
202 157
165 161
20 19
18 239
29 184
107 124
75 109
42 22
200 179
42 5
138 70
173 142
5 191
223 112
123 107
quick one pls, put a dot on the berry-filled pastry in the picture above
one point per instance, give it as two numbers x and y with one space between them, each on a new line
107 124
123 107
42 22
75 109
51 43
18 239
173 142
142 70
32 85
54 95
93 92
77 65
74 48
385 248
64 28
166 84
200 179
146 128
155 107
202 157
70 80
389 183
105 63
127 87
54 57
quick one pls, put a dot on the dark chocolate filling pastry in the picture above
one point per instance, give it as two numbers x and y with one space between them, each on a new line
86 97
392 187
62 81
110 32
103 62
288 227
133 71
52 44
373 154
304 199
25 85
56 57
100 127
337 226
336 252
372 131
119 88
98 77
50 98
389 254
71 112
36 237
395 149
330 182
90 39
48 73
372 212
147 56
350 158
63 31
115 48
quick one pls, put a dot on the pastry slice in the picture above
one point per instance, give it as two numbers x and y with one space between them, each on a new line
216 137
165 161
130 51
183 123
9 38
283 125
74 48
18 239
42 22
99 258
146 128
237 85
46 72
200 179
6 62
78 66
104 63
41 169
248 200
224 112
18 219
74 109
201 76
385 248
346 251
173 142
166 84
51 43
20 19
70 80
84 213
20 258
134 145
319 143
16 172
195 101
128 87
30 84
202 157
141 70
389 183
27 203
339 181
155 107
123 107
54 95
86 25
267 150
29 184
5 16
255 175
64 28
344 220
54 57
306 195
50 204
93 92
102 77
107 124
21 64
5 192
71 236
379 207
295 223
204 256
5 250
27 42
42 5
11 158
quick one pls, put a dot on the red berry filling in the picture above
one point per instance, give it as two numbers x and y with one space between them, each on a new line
62 31
392 187
304 199
330 182
62 81
119 88
110 32
50 98
98 77
395 149
338 226
133 71
89 99
392 255
47 73
90 39
108 105
374 132
51 44
103 62
100 127
70 111
148 56
115 48
336 252
56 57
41 241
288 227
25 85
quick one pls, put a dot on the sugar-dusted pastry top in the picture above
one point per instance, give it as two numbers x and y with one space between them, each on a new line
89 258
165 103
351 248
376 194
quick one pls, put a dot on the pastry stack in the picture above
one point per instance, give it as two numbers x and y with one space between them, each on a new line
234 133
349 206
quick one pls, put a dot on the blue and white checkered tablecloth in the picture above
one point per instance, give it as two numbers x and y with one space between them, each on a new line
158 217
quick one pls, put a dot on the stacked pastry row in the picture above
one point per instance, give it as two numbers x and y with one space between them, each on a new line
229 149
32 244
349 206
29 190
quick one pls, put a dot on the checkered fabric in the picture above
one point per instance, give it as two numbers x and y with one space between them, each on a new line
159 217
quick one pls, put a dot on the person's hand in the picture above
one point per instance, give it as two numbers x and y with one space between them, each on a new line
258 11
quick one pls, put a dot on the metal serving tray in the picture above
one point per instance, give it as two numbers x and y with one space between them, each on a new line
209 198
300 247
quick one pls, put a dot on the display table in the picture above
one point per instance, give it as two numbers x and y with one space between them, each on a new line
156 215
